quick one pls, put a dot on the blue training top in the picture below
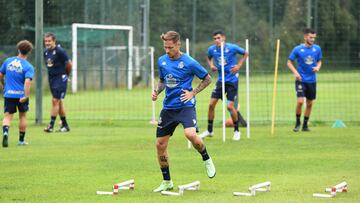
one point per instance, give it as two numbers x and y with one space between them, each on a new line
55 61
177 76
16 70
307 58
230 51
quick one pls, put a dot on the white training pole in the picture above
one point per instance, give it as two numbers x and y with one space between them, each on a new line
74 59
188 52
247 91
153 119
223 90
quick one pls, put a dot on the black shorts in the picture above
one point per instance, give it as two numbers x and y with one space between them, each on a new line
169 119
231 90
58 86
12 104
304 89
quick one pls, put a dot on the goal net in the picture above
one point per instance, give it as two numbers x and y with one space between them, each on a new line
102 56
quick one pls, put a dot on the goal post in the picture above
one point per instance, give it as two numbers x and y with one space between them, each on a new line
76 26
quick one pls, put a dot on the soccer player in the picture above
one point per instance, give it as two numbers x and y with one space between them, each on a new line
308 56
176 71
18 74
231 69
59 68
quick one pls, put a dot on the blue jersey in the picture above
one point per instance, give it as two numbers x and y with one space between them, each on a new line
307 58
230 51
55 61
16 70
177 76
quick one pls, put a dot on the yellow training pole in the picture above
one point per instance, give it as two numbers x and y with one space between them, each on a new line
274 92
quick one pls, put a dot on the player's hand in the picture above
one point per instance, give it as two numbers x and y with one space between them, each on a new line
154 95
297 76
23 99
235 69
186 96
213 68
316 69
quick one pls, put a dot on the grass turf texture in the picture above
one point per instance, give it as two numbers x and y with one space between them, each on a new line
71 167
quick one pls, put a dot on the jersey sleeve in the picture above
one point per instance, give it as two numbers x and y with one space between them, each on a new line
64 56
198 70
3 68
29 72
209 53
293 54
239 50
161 74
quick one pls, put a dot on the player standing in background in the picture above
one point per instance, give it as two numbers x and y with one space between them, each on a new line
18 74
176 72
231 79
309 58
59 68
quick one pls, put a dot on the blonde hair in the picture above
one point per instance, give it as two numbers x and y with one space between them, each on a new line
171 36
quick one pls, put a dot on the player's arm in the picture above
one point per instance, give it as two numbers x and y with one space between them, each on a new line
160 87
237 67
1 81
187 96
291 66
68 67
318 66
210 63
27 86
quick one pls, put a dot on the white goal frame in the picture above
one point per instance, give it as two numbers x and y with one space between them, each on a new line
76 26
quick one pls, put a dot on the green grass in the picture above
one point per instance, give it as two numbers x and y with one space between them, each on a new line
72 167
111 141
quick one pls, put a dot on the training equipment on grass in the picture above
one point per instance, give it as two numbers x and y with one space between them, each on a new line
341 187
274 88
190 186
260 187
339 124
126 185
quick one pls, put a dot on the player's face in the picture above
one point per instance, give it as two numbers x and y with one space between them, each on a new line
49 42
172 49
218 39
309 39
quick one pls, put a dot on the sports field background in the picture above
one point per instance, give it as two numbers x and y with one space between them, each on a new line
113 143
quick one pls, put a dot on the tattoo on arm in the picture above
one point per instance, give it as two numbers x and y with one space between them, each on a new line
160 87
203 84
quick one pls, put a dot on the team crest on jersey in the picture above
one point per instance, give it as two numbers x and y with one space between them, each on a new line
54 52
309 60
15 66
227 50
219 61
313 49
163 63
302 50
181 64
170 81
49 62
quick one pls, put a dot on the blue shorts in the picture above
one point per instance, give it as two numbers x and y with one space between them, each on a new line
12 104
58 86
231 90
304 89
169 119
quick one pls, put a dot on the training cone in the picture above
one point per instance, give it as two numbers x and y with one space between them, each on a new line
338 124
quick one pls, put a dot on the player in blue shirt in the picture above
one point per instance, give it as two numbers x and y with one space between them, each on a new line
177 71
231 68
18 74
59 68
308 57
